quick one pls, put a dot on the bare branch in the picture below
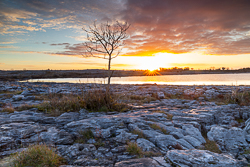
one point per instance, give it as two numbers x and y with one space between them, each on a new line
105 39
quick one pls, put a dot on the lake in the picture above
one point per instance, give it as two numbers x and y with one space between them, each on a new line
197 79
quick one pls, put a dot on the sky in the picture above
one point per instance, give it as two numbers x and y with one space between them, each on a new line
200 34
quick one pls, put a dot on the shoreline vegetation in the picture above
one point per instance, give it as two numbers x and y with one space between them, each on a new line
99 73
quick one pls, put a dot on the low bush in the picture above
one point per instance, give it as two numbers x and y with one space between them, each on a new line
170 116
84 136
37 156
157 127
25 107
100 100
238 97
139 133
134 149
58 104
8 109
211 146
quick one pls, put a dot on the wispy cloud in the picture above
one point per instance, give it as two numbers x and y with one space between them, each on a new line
7 46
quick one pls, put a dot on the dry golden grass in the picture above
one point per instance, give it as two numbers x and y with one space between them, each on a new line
157 127
134 149
37 156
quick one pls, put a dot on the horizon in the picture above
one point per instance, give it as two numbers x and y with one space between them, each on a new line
40 35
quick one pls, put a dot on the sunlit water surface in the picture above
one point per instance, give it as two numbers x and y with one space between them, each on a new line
198 79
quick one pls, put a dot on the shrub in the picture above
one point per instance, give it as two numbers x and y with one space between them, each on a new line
84 136
8 109
100 100
139 133
59 104
38 156
237 97
25 107
134 149
211 146
157 127
170 116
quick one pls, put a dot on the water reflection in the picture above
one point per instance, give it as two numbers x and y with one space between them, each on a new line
200 79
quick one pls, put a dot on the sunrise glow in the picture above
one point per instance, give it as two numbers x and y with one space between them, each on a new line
49 35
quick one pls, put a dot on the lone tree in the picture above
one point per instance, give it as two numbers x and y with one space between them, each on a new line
105 41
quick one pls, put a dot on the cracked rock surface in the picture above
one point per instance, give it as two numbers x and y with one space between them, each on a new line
172 131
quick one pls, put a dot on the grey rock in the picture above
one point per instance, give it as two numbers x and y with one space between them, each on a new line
142 162
185 145
145 144
86 162
125 157
67 117
160 95
194 132
8 153
165 142
6 143
118 149
109 155
231 140
103 150
161 161
193 141
82 125
151 135
197 158
56 137
17 97
123 137
247 126
177 135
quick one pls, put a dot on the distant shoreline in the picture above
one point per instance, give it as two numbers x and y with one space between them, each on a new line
95 73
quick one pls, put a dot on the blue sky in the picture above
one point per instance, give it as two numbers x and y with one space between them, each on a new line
200 34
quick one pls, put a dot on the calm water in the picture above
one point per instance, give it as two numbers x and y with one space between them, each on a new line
199 79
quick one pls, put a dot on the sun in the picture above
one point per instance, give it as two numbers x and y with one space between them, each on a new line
151 73
152 63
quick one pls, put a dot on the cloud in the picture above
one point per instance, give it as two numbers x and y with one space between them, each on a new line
193 64
39 15
217 27
122 65
81 63
7 42
58 44
7 46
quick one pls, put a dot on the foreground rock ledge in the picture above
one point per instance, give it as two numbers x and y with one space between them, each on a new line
204 158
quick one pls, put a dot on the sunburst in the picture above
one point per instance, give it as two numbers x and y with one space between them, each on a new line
151 73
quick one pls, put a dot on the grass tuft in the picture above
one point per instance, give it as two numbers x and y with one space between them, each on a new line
99 100
58 104
170 116
157 127
84 136
25 107
134 149
37 156
139 133
8 109
212 146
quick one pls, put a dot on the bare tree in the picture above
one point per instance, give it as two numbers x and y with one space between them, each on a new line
105 41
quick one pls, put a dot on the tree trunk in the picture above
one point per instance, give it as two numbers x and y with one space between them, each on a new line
109 74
